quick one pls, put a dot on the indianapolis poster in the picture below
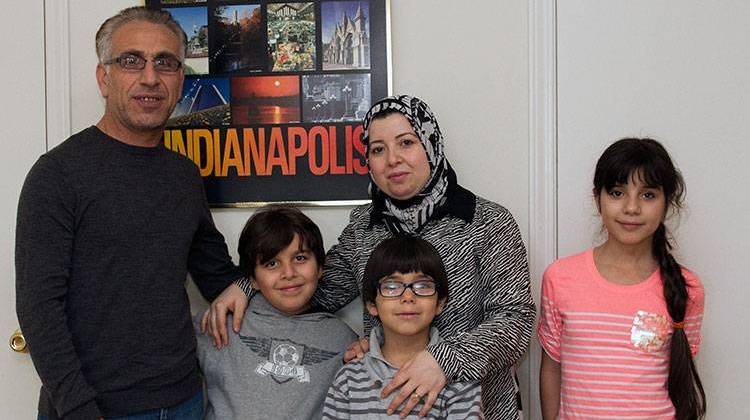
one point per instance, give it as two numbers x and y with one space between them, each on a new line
274 96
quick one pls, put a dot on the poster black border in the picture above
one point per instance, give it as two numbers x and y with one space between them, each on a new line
379 71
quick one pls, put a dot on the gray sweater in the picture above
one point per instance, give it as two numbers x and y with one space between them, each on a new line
277 367
355 393
106 235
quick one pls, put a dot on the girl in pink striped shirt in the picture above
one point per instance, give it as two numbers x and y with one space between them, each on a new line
620 323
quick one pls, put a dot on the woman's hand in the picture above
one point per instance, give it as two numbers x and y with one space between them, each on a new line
357 349
214 321
419 378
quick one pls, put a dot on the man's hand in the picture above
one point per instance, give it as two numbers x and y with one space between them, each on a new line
214 321
419 379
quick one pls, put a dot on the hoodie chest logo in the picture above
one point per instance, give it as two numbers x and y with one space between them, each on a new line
286 359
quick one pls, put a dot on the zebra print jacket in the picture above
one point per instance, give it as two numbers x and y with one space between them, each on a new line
487 322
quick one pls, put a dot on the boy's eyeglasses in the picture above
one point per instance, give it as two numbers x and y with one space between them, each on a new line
392 288
134 62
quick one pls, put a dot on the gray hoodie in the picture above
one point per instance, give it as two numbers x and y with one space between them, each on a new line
277 367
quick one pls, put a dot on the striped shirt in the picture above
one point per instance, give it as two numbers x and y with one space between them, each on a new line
612 341
486 324
355 393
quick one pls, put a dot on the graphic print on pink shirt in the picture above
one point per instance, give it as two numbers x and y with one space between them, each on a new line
650 332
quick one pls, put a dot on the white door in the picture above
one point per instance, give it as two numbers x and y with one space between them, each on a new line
22 140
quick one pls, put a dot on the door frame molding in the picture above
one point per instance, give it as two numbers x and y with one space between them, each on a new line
57 69
543 134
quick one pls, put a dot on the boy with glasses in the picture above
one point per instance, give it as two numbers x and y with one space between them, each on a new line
405 287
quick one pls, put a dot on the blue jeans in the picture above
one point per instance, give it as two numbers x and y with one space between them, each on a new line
191 409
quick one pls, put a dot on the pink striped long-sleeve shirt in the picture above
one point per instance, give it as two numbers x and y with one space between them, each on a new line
612 341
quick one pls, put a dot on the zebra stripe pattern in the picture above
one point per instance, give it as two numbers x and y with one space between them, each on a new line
486 325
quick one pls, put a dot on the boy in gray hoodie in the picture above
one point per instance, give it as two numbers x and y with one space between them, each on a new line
285 356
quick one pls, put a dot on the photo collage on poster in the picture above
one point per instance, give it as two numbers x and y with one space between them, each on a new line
275 94
252 63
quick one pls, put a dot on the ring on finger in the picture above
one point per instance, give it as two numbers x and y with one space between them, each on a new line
416 394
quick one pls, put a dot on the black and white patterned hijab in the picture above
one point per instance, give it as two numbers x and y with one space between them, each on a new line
409 216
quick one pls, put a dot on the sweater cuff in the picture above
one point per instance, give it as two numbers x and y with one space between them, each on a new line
448 359
244 284
88 411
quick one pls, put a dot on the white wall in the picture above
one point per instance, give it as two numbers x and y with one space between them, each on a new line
468 63
678 71
474 76
675 70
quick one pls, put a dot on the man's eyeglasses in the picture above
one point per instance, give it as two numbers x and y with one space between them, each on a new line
393 288
134 62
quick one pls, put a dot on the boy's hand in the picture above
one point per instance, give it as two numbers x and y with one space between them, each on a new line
357 349
214 321
419 379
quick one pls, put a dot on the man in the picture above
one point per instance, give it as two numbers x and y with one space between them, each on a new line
109 224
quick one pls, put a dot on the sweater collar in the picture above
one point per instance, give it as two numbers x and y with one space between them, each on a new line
375 359
260 305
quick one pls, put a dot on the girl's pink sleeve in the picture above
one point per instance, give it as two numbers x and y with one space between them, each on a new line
549 329
694 310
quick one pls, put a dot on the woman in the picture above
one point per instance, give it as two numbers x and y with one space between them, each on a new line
487 323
